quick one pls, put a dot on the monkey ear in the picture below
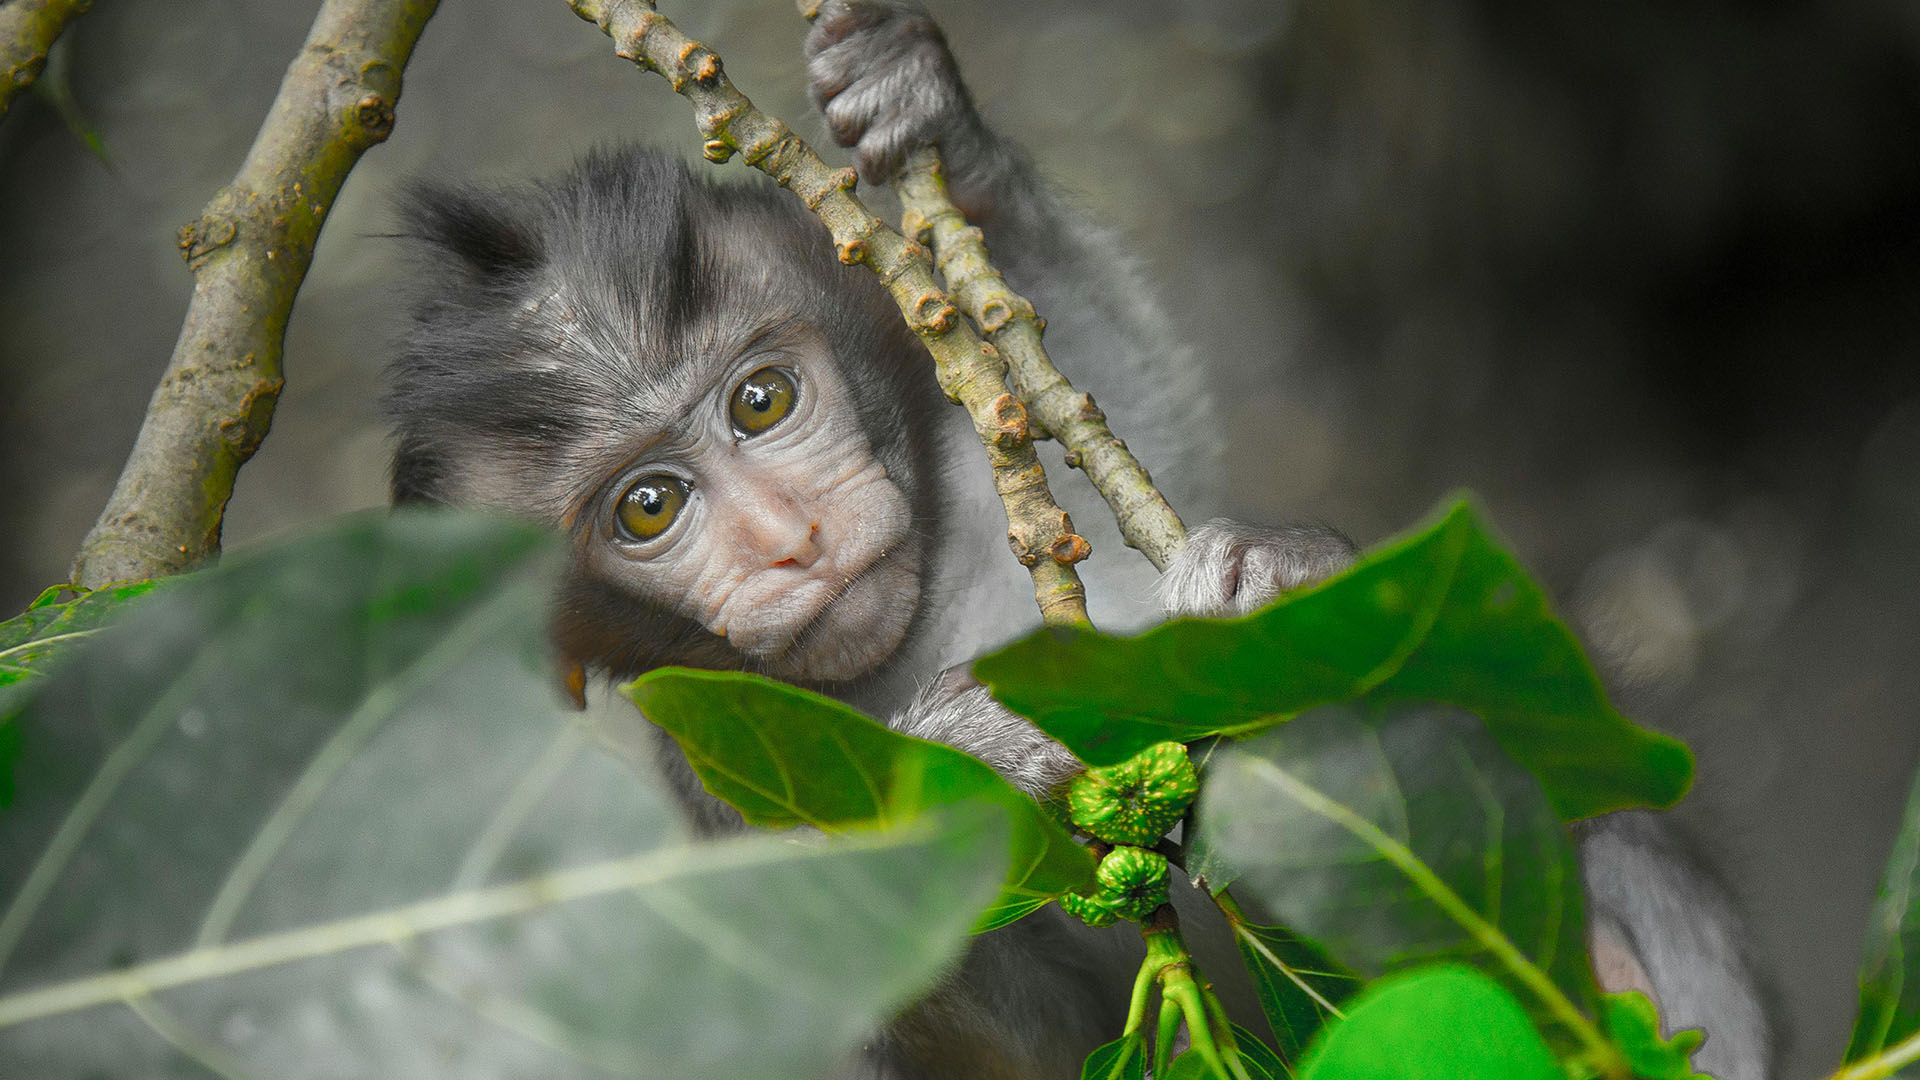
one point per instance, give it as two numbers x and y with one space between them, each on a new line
488 232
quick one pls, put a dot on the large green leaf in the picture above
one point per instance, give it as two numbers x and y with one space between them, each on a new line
1397 839
319 812
31 641
1443 615
1890 976
1444 1022
783 756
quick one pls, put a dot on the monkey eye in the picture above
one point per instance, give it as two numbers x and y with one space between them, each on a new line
762 400
650 505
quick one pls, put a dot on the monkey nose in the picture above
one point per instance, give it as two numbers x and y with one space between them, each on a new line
794 542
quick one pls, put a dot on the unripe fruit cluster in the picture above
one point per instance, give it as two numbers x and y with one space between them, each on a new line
1130 805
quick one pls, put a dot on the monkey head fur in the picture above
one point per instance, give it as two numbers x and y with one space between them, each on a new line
681 377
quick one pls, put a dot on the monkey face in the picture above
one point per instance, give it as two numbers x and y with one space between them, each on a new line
764 515
737 433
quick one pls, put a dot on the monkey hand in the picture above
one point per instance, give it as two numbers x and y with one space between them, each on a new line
881 74
955 710
1228 568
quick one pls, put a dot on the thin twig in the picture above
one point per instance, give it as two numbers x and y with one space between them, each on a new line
1147 522
27 30
249 251
969 370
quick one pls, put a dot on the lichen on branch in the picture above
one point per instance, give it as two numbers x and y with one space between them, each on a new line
968 369
27 30
249 250
1147 522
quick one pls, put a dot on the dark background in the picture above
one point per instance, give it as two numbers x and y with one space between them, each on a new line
1642 275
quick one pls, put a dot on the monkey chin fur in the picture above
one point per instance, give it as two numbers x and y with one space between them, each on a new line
857 628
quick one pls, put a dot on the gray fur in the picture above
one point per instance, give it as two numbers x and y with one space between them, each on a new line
1688 937
1228 568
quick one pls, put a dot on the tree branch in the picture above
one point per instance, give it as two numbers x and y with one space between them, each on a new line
249 251
969 370
27 31
1147 522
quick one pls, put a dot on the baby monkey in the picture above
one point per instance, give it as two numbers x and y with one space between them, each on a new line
754 469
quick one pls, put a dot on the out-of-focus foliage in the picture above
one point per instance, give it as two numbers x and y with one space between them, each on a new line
1890 974
345 754
1632 1022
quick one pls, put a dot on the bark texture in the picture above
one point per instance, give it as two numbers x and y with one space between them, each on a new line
249 251
27 30
1147 522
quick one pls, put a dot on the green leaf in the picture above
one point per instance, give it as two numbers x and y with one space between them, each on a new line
1300 987
783 756
1124 1058
1443 615
1261 1062
35 639
323 804
1402 838
1890 976
1444 1022
1633 1023
46 630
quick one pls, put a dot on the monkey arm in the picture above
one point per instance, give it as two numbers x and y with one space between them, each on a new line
887 84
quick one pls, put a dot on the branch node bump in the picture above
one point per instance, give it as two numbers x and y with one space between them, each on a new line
1009 421
850 251
697 62
203 237
1071 549
716 151
634 45
995 315
933 314
374 114
1074 460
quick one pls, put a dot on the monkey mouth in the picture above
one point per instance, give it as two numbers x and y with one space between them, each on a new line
861 622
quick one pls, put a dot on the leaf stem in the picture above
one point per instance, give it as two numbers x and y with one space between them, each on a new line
1163 1035
1885 1063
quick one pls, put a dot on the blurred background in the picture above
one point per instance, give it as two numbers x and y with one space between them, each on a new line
1644 276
